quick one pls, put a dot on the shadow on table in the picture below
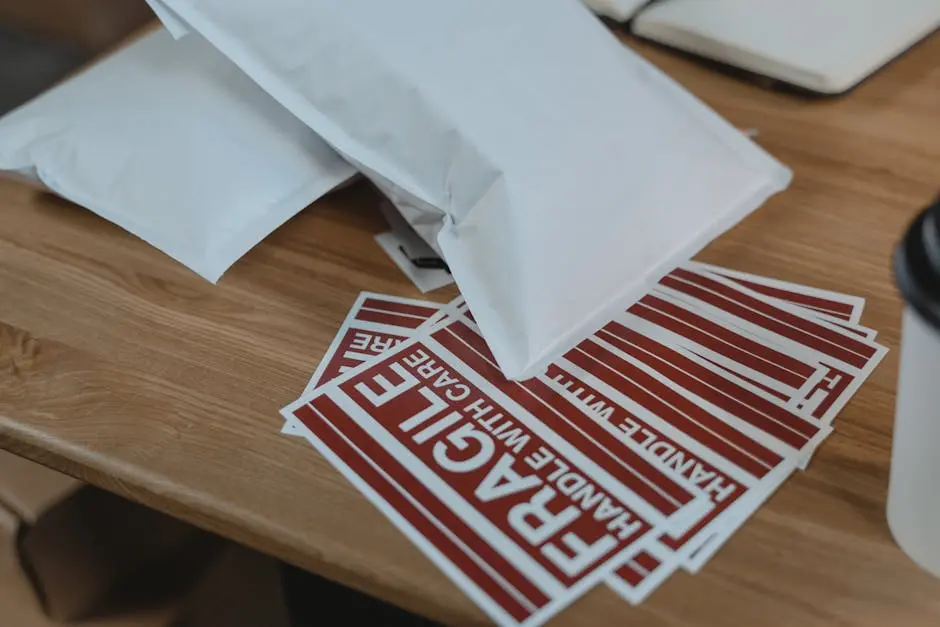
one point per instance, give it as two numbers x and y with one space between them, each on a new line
311 600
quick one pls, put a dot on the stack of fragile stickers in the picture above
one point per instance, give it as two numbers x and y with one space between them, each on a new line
637 453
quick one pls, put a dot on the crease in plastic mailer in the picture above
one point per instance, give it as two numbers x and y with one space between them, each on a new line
558 172
620 10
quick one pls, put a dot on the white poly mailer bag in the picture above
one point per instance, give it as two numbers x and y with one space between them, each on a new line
558 172
171 141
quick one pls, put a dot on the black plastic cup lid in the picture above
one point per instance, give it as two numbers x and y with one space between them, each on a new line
917 265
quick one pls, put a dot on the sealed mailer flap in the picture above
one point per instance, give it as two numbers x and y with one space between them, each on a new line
563 174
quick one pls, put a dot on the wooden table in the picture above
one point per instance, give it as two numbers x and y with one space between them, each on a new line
122 368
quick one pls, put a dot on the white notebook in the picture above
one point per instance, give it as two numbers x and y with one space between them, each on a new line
825 46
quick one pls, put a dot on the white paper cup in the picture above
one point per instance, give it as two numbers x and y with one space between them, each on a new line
914 491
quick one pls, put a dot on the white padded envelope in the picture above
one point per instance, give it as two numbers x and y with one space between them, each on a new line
171 141
559 173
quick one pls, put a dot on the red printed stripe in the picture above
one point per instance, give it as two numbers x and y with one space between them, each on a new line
768 390
647 561
724 341
631 574
393 495
803 330
673 408
382 317
711 386
823 305
569 422
399 308
817 310
854 330
635 572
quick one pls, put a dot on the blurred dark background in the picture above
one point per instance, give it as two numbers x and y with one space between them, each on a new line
42 41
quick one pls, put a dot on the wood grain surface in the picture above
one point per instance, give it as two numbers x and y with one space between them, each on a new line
119 366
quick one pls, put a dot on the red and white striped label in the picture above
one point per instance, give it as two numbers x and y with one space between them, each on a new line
641 395
833 306
769 345
512 509
803 330
558 412
682 472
